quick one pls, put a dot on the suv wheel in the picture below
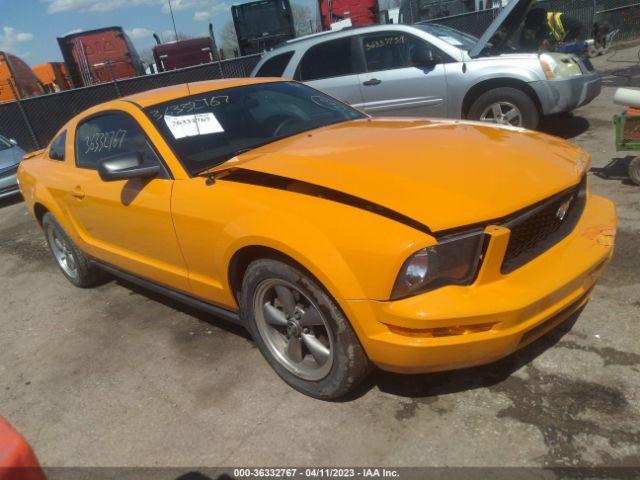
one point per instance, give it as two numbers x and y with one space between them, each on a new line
300 330
72 262
505 106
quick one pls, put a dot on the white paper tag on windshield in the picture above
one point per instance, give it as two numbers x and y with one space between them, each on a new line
193 125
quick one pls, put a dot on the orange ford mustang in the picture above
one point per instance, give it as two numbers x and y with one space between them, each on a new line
339 240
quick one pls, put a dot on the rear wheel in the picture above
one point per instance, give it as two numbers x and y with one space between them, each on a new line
72 262
505 106
300 330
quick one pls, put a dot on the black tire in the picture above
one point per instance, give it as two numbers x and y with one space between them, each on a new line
524 103
350 365
87 275
634 170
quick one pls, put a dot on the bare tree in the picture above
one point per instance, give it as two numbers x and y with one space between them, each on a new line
229 40
146 55
389 4
302 21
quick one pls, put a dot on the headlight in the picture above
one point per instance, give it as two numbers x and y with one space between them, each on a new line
558 65
453 261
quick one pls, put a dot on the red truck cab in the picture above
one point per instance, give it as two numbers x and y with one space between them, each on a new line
185 53
17 79
98 56
360 12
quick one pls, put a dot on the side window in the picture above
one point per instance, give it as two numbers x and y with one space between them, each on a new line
274 67
391 50
108 135
57 148
328 59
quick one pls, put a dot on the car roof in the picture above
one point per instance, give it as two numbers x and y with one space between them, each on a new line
166 94
344 32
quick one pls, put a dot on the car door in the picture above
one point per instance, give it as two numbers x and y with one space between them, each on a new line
125 223
405 75
332 67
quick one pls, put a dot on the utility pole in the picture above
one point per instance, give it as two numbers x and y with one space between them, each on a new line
175 30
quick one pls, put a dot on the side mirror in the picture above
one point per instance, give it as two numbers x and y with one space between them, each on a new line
125 166
424 57
13 141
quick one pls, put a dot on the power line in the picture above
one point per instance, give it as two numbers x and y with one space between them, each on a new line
175 30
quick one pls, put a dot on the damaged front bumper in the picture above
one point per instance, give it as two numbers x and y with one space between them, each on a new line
460 326
559 96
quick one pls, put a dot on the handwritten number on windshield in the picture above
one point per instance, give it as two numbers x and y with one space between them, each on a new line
192 106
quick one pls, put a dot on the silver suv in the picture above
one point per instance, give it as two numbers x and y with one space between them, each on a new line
10 156
437 71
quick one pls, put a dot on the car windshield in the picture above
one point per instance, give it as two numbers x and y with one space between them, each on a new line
4 143
458 39
207 129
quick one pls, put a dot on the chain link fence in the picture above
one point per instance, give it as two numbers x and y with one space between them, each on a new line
620 15
34 121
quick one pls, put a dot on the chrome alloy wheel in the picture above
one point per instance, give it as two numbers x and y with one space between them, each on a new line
502 113
294 329
62 252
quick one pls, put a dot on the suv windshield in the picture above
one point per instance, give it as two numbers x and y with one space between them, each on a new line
207 129
454 37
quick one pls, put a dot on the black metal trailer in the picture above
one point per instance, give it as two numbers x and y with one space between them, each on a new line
262 25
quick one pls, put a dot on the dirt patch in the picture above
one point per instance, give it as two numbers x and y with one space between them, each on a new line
563 408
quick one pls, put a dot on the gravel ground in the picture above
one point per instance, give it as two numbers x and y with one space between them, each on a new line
117 376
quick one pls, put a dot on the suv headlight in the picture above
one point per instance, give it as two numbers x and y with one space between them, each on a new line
452 261
559 65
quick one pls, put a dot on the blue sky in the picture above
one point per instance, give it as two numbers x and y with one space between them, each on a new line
28 28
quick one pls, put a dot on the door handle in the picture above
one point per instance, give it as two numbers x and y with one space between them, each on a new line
77 192
373 81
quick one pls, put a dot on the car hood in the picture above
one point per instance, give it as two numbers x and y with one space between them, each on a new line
510 18
10 157
443 174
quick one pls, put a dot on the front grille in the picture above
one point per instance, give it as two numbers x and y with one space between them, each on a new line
542 226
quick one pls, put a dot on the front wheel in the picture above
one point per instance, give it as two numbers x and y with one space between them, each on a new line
505 106
72 262
300 331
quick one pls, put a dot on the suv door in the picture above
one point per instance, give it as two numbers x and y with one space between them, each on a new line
332 67
125 223
405 75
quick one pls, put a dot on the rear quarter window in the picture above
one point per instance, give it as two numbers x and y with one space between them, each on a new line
275 66
57 149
